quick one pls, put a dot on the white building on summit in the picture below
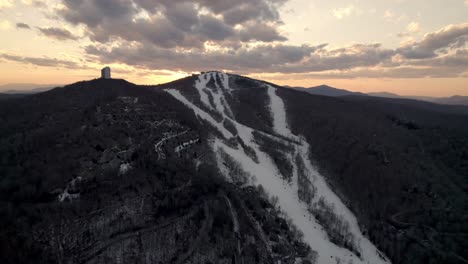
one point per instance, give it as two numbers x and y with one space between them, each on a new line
106 73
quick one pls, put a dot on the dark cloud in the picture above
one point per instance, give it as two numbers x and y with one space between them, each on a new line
93 13
263 58
251 10
183 15
260 32
183 24
43 61
456 60
244 60
22 25
265 9
452 36
240 14
36 3
213 29
58 33
359 55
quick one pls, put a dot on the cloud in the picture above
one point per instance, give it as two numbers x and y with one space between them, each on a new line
448 66
6 4
58 33
43 61
242 36
261 58
35 3
358 55
357 60
388 14
411 28
254 10
449 37
5 25
22 25
344 12
260 32
400 72
177 24
243 60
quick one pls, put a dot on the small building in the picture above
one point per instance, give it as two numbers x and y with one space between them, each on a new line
106 73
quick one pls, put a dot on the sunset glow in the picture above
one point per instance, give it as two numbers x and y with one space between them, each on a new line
415 47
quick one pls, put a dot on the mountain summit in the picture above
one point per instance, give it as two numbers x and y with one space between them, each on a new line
327 91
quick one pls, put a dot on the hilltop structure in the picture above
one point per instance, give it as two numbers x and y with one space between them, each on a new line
106 73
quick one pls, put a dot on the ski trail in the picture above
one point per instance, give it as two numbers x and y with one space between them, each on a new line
200 84
200 113
278 111
235 227
218 97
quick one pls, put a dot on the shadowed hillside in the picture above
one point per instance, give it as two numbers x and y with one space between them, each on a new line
218 168
388 158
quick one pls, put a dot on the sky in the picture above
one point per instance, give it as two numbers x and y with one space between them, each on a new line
408 47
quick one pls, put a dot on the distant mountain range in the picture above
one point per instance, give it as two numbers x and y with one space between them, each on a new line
326 90
26 88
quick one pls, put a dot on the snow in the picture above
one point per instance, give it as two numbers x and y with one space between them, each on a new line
368 251
235 223
225 81
218 95
278 112
267 174
185 145
124 168
200 113
166 136
66 195
200 84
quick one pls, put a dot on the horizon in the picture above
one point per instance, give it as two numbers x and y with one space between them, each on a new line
361 46
10 87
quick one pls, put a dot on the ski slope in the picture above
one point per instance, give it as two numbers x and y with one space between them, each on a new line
267 174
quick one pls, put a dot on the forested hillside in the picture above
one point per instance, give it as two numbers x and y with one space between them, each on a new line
219 168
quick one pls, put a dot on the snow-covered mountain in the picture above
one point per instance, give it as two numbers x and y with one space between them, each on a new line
221 168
